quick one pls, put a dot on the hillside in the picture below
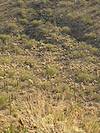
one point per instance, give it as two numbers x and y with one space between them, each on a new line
38 19
49 66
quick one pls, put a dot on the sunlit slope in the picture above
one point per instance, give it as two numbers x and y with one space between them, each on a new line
44 84
49 66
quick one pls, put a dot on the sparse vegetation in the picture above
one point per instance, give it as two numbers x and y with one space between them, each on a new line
49 66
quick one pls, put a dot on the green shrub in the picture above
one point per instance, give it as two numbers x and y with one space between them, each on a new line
36 23
12 28
5 38
84 77
20 3
3 101
23 21
72 15
28 44
90 35
87 19
65 30
13 129
51 71
22 13
5 60
78 54
25 75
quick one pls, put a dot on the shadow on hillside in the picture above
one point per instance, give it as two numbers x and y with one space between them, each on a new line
79 31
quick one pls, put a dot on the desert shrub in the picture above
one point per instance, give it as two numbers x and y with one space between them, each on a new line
51 71
15 49
33 30
46 85
2 73
14 129
12 84
25 75
78 54
28 44
94 50
3 101
50 47
47 14
10 73
84 77
65 30
36 23
91 124
5 60
22 13
72 15
12 28
23 21
90 35
87 19
5 38
20 3
91 59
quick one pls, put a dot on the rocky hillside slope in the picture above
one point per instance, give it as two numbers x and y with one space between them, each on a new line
49 66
